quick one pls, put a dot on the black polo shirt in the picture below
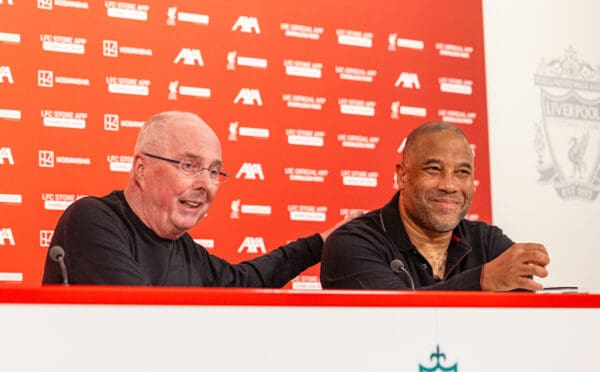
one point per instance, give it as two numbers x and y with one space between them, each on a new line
358 254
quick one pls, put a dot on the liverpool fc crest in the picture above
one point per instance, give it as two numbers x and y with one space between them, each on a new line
567 140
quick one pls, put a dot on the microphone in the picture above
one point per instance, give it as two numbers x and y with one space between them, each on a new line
57 254
397 266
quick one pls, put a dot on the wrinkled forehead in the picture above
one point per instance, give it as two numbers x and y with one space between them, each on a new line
192 137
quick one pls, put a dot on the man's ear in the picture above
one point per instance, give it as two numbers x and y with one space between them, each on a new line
138 170
400 175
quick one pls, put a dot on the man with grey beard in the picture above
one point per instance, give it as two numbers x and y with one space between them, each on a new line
420 239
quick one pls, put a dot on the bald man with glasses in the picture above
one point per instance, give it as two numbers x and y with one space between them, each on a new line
138 236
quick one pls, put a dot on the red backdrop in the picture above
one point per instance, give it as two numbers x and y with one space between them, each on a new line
312 101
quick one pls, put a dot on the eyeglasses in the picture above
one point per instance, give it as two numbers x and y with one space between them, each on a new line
192 168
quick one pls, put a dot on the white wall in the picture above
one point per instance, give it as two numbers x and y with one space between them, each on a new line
518 36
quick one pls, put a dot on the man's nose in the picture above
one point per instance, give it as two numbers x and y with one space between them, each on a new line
202 179
447 182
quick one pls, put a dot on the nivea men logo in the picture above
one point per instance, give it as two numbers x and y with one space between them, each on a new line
253 245
408 80
6 156
567 140
46 237
251 171
248 97
6 73
6 236
189 57
246 24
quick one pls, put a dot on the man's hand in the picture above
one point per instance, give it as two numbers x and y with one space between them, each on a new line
350 215
511 270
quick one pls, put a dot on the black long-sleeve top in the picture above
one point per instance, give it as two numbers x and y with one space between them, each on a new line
358 254
106 243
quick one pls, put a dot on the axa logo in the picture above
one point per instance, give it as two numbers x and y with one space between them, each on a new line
6 73
46 159
246 24
45 237
253 245
110 48
251 171
6 155
6 234
248 97
189 57
408 80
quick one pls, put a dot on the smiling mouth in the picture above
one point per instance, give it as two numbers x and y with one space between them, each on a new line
447 201
191 204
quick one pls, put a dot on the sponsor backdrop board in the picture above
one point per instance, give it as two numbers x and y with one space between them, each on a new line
312 102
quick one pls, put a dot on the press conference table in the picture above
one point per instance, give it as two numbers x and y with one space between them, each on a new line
82 328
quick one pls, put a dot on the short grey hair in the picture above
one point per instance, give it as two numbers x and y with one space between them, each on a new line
152 135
